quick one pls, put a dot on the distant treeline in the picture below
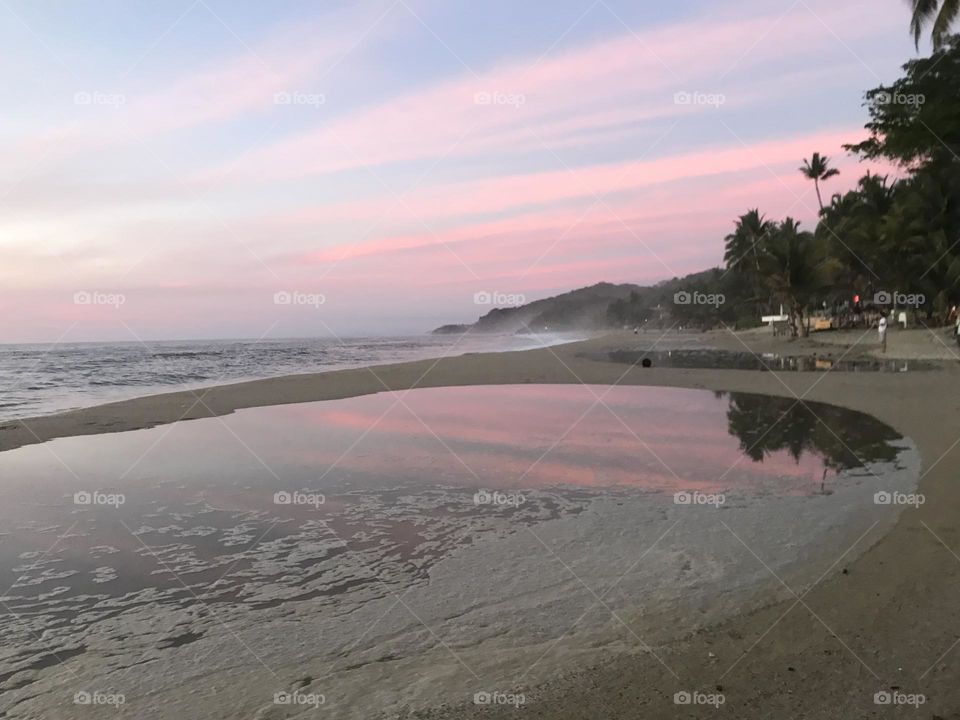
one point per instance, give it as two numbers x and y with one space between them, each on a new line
887 243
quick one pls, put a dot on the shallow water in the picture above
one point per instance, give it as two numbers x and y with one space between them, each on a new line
146 544
38 379
737 360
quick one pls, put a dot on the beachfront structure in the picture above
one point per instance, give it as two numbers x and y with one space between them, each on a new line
775 321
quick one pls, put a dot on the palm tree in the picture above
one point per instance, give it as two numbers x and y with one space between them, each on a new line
818 168
920 238
745 245
940 13
797 267
854 227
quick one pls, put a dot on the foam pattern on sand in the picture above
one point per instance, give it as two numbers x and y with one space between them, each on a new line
397 599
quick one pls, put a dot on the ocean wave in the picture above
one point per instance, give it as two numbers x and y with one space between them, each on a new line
51 379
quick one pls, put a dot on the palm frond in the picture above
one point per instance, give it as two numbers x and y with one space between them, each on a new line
923 12
941 26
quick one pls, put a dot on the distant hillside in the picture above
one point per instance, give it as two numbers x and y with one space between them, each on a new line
577 309
607 305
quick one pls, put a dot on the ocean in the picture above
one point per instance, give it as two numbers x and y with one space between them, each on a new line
39 379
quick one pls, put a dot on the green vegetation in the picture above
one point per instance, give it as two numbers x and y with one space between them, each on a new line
662 306
817 168
941 13
890 243
915 121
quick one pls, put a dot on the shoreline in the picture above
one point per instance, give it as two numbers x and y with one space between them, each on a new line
881 621
560 363
92 374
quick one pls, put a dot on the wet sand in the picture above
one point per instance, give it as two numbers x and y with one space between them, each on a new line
886 620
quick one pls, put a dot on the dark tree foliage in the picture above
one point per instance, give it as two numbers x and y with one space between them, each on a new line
915 120
885 238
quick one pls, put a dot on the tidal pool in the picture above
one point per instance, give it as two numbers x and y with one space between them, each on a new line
402 549
743 360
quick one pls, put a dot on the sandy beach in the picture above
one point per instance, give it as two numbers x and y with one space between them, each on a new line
852 628
389 359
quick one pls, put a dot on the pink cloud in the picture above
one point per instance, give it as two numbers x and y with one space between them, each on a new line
631 78
716 186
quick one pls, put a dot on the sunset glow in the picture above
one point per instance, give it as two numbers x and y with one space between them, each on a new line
398 157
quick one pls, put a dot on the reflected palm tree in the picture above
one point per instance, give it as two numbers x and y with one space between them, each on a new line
843 438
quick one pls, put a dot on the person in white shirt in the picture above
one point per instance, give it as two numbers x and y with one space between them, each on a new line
882 329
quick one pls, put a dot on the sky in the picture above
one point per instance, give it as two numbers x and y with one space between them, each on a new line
234 169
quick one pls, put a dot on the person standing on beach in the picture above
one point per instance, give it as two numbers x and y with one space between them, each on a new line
882 329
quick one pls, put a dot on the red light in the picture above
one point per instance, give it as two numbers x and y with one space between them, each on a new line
856 298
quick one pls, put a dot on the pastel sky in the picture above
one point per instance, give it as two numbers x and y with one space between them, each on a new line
167 168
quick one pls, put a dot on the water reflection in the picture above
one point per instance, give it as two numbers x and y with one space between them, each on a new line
397 472
742 360
767 426
395 469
